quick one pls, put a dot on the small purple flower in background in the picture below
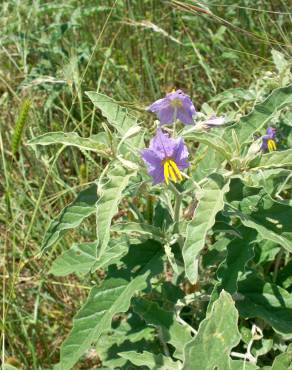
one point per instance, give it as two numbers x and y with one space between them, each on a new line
268 140
175 105
165 157
214 121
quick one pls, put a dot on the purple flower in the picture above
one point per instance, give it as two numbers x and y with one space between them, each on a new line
175 105
214 121
165 157
268 140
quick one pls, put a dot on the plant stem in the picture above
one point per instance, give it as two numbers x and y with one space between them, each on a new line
177 206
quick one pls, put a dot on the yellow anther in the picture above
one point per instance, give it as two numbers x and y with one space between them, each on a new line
171 170
176 170
176 103
172 173
166 171
271 145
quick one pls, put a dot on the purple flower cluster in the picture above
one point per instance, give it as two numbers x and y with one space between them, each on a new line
166 157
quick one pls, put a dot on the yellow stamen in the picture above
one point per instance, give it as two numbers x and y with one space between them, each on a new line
271 145
166 171
171 170
176 170
172 173
176 103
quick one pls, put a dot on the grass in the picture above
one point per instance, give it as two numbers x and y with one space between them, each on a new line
135 51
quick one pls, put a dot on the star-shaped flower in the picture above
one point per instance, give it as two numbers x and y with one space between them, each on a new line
268 140
175 105
165 157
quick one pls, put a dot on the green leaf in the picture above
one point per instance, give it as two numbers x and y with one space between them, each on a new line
285 276
214 141
271 219
78 259
284 360
105 301
206 162
107 205
271 180
172 332
261 114
154 362
242 365
210 203
135 228
239 252
116 115
266 301
274 159
131 334
82 257
144 256
71 216
72 139
216 337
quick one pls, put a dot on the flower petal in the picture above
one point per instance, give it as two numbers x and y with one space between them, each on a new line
157 175
181 151
271 132
158 105
162 144
166 115
185 113
150 157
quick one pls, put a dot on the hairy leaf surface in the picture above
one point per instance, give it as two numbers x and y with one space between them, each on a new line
152 361
81 258
214 141
135 228
107 205
271 219
72 139
266 301
216 337
112 297
72 215
210 203
274 159
261 114
116 115
172 332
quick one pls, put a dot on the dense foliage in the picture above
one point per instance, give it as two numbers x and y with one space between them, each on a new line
190 272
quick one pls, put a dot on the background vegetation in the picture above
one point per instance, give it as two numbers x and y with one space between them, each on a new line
229 54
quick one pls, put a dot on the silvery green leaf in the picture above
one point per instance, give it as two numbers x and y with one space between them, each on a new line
95 317
152 361
71 216
210 203
217 335
107 206
91 143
